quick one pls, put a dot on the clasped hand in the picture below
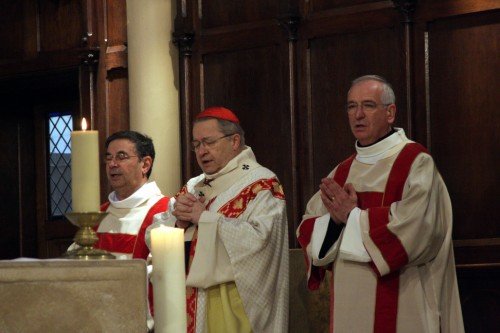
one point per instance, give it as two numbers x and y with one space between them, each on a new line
188 209
338 201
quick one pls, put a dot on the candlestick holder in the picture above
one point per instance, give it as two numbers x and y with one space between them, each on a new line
86 237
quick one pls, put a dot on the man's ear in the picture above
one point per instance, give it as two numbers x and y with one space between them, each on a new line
391 114
236 141
147 162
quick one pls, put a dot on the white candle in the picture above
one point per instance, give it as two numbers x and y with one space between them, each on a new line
169 279
85 188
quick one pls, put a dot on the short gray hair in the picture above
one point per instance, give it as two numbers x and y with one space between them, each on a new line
387 96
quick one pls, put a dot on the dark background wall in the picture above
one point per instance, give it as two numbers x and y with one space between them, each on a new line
284 66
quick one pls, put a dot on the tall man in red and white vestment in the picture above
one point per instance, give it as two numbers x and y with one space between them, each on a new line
234 215
134 200
382 223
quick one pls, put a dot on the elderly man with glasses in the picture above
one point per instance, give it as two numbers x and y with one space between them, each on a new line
234 216
381 222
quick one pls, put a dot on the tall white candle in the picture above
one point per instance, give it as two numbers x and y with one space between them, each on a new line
169 279
85 187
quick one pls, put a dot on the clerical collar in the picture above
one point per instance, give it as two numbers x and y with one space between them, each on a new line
392 131
372 153
231 165
138 197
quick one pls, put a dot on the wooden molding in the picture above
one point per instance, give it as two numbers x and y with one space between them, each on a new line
291 26
184 42
116 57
406 8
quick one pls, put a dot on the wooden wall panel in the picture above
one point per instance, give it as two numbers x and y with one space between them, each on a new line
11 29
464 85
116 30
251 82
217 13
479 295
335 61
321 5
61 24
10 228
26 176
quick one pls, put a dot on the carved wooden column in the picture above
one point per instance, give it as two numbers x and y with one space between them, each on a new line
290 23
407 8
88 69
184 42
89 59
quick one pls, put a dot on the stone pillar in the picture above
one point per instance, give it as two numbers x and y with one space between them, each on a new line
153 95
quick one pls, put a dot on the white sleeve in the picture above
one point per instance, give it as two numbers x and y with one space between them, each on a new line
318 235
352 247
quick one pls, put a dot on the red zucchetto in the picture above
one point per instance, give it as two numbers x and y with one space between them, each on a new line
218 112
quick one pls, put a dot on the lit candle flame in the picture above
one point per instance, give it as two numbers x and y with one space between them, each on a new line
84 124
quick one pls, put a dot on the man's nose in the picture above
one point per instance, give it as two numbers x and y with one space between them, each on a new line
201 150
360 113
112 163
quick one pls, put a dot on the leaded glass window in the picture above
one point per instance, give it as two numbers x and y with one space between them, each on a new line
60 127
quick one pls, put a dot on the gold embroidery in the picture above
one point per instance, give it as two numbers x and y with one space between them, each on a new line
257 188
238 204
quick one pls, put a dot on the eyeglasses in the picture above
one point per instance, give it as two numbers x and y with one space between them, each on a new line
365 106
118 158
207 143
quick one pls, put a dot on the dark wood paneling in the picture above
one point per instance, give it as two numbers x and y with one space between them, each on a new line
251 82
320 5
428 10
355 20
420 69
481 251
464 85
10 228
61 24
216 13
116 12
11 29
261 34
335 61
42 35
27 195
479 295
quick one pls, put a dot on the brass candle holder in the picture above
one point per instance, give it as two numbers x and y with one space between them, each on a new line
86 237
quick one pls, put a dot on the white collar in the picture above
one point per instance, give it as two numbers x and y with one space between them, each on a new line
145 192
245 154
381 149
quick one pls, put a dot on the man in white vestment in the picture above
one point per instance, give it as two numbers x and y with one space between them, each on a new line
134 201
382 223
234 216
